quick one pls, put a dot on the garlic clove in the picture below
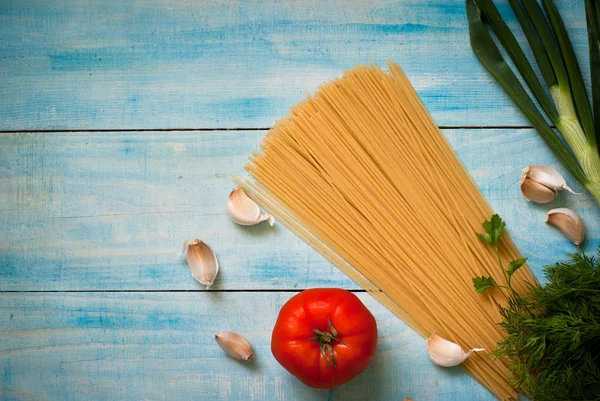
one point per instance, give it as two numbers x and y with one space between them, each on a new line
446 353
547 176
536 192
244 211
569 223
235 345
202 261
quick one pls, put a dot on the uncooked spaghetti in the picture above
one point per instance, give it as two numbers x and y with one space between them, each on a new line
361 172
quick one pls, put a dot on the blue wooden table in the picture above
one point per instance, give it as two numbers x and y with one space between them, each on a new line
121 122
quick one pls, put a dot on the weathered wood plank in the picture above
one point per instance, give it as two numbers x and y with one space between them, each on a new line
104 346
109 211
152 64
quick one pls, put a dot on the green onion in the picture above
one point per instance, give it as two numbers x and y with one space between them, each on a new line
592 11
568 106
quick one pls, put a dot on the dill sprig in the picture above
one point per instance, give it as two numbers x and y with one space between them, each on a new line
553 334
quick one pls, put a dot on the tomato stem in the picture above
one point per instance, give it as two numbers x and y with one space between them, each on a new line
325 339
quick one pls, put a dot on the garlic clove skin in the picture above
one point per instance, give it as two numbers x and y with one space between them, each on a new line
235 345
244 211
446 353
536 192
569 223
547 176
202 261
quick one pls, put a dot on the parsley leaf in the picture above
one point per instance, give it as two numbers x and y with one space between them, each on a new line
483 283
497 227
515 265
493 230
486 237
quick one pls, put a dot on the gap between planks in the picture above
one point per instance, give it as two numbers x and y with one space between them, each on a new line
355 290
49 131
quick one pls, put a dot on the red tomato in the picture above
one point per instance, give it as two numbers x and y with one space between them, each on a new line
324 336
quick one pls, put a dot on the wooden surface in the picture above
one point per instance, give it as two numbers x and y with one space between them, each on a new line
76 64
160 346
110 158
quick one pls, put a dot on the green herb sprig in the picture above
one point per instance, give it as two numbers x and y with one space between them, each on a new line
493 231
553 334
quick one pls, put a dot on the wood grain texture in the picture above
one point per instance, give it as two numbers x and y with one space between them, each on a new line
113 346
109 211
78 64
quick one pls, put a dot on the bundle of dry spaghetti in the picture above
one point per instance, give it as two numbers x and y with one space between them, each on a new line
360 171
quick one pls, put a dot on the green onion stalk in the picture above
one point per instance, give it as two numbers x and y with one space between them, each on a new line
568 108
